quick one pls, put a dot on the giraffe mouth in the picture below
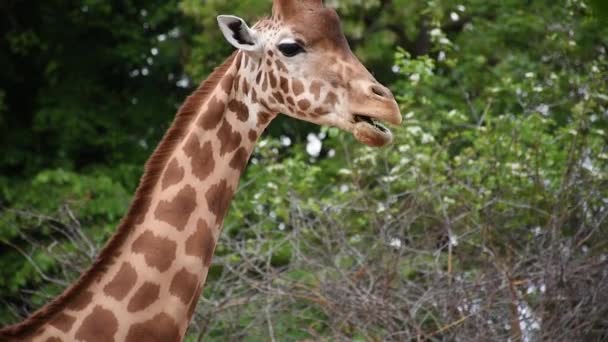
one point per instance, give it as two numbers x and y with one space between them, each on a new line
370 131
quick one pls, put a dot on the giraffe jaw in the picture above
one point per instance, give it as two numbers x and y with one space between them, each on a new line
370 132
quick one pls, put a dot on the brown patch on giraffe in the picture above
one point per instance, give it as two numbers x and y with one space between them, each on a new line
177 211
320 111
237 83
290 101
284 84
270 53
81 301
297 86
258 78
54 339
331 98
278 96
99 326
194 301
146 295
264 104
63 322
214 114
315 89
240 159
245 86
253 135
229 139
161 328
273 79
264 118
304 104
122 283
280 66
265 82
218 199
268 62
241 110
201 243
335 83
202 158
184 285
173 175
254 95
159 252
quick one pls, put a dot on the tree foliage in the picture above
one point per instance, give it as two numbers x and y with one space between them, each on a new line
485 220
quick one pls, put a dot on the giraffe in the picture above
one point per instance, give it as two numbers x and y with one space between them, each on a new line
145 284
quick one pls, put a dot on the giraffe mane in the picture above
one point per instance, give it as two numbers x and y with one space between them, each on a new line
152 174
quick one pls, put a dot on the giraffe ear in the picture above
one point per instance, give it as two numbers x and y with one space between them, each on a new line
237 33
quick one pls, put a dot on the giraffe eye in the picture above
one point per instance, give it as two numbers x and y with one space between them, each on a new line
290 49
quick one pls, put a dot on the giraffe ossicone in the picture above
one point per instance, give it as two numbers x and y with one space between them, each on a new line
145 284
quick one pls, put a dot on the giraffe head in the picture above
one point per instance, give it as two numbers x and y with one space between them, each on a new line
300 64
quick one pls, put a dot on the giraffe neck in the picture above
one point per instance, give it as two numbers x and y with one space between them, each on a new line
149 286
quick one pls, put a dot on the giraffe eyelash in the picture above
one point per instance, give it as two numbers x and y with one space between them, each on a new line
291 48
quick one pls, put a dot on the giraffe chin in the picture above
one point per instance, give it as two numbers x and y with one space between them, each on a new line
372 134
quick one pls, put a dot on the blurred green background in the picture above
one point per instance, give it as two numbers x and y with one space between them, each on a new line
485 220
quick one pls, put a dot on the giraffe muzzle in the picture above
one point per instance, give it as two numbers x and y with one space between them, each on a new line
370 132
369 111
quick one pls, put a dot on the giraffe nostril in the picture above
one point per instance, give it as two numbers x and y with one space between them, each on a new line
380 91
